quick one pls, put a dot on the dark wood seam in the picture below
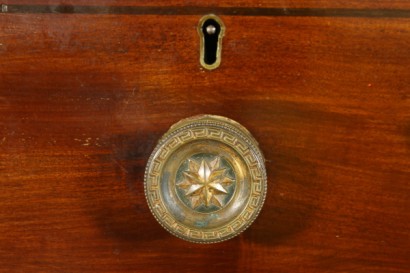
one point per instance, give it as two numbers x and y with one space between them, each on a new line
190 10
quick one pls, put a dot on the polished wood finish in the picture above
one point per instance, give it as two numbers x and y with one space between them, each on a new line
84 98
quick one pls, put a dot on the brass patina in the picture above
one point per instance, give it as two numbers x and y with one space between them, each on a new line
205 181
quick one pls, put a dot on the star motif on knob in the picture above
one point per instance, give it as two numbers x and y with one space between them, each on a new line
205 182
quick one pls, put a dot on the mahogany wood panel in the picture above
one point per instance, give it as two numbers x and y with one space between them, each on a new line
84 98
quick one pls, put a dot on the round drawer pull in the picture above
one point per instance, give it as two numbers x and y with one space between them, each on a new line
205 181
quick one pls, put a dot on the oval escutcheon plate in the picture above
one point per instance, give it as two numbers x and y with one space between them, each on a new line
205 182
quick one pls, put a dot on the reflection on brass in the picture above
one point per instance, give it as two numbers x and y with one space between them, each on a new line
205 181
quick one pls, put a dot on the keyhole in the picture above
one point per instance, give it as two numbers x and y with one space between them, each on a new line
211 31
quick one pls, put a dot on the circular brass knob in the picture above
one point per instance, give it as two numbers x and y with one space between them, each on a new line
205 181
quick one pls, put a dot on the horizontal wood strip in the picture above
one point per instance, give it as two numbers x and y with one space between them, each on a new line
352 4
197 10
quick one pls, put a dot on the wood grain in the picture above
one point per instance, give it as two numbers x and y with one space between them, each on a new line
84 98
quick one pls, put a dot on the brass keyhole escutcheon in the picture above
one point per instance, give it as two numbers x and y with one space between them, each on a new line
205 181
211 31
